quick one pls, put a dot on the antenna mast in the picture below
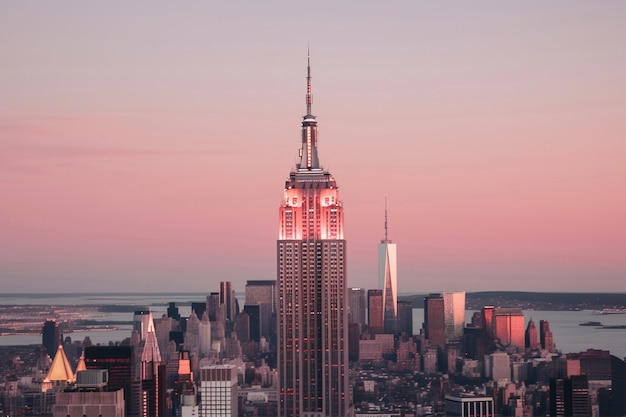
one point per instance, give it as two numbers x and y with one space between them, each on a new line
308 82
386 219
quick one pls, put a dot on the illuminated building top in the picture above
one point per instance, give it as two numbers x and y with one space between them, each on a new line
311 209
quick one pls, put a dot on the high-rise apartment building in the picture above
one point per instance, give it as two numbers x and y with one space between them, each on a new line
312 306
388 280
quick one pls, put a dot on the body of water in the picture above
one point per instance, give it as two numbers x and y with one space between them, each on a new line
569 336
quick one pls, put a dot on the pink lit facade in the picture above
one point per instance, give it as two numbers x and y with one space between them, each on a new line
312 288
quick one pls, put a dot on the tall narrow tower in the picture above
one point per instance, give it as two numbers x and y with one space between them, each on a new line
388 280
312 307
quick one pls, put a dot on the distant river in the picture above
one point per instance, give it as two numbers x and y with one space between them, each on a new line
569 336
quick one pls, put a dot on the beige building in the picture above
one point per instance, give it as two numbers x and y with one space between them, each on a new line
89 404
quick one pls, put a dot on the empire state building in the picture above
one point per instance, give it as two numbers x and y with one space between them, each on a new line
312 307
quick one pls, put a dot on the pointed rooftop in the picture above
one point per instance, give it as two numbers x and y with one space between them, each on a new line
81 363
60 373
309 160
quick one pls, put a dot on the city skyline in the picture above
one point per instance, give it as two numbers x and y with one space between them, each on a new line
140 147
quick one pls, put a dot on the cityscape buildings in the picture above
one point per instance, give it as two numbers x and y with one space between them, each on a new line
312 310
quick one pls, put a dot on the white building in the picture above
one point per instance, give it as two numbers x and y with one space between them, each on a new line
469 406
218 391
388 280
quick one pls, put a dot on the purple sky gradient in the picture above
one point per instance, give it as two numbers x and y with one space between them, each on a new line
144 145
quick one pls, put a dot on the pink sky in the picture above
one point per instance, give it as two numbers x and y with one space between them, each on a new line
144 146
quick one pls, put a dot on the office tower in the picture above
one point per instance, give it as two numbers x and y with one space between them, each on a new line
254 321
375 310
228 299
51 337
118 360
577 401
312 310
557 397
618 384
148 378
192 335
454 315
434 320
218 391
356 305
594 363
570 396
430 360
545 336
531 337
183 396
141 319
172 311
487 325
354 337
242 327
498 366
388 280
405 317
213 305
263 294
508 326
198 308
163 328
204 335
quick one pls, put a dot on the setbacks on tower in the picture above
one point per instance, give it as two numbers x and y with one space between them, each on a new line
312 307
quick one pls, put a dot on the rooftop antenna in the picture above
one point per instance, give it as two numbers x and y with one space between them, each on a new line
308 81
386 219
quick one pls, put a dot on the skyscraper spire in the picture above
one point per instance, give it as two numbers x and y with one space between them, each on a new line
308 83
308 152
386 219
